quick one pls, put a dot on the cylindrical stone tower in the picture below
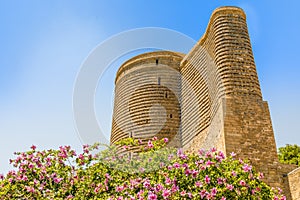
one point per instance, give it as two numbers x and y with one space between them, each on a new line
147 98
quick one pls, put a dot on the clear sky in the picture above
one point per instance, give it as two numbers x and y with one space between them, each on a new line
44 43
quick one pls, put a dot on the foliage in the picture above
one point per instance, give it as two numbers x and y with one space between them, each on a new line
157 173
290 154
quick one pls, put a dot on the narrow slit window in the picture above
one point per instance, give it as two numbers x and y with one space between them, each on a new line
171 116
166 95
158 81
156 61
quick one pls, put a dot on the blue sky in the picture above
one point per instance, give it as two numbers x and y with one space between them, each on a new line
44 43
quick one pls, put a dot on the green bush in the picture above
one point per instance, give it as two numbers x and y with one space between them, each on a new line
290 154
157 173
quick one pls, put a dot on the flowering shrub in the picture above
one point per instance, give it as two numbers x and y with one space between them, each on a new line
157 173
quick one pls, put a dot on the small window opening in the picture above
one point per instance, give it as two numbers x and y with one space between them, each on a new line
156 61
130 134
158 81
166 95
171 116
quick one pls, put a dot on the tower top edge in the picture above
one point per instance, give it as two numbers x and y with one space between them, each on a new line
230 9
148 55
218 12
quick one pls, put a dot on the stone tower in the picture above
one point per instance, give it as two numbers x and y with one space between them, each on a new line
147 95
210 97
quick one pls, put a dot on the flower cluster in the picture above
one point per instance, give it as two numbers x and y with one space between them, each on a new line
157 173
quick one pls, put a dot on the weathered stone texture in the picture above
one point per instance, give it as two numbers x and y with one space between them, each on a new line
294 183
210 97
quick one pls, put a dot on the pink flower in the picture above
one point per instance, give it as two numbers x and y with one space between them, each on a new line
183 193
154 138
183 156
261 176
33 147
146 184
207 179
108 176
214 149
203 193
57 180
152 196
230 187
185 165
209 196
81 157
168 181
176 165
150 144
30 166
170 157
166 140
220 181
223 198
166 193
208 163
187 172
174 188
70 197
214 191
158 187
161 164
119 188
233 173
247 168
221 154
194 173
24 178
208 155
29 189
179 152
232 154
142 169
198 184
242 183
97 189
201 152
140 193
1 176
53 175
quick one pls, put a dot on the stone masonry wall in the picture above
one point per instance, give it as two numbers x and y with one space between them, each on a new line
294 183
